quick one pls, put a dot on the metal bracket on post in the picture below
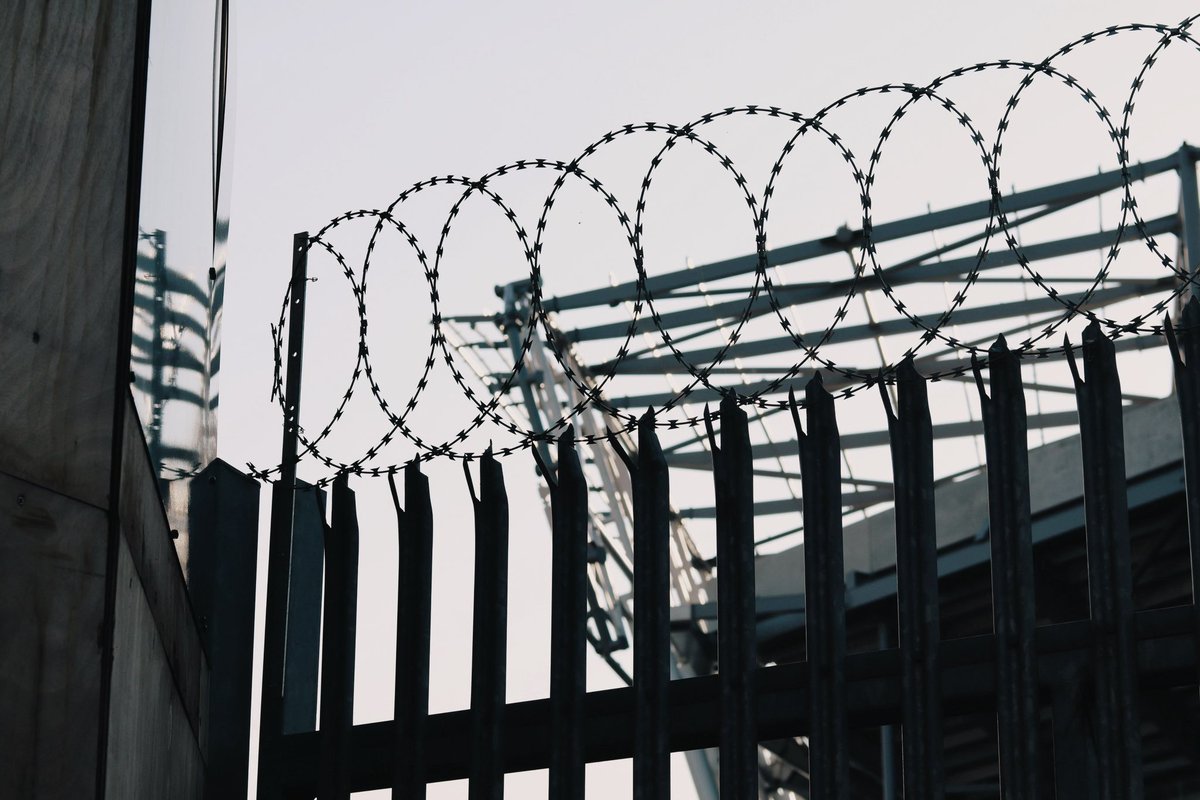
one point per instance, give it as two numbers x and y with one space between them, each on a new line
280 552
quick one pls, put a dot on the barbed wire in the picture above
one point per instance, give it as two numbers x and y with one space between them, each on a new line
590 386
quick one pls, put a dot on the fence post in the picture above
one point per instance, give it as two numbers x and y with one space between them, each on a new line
338 642
1185 355
736 617
415 585
222 565
917 588
824 592
568 619
304 604
1117 727
490 635
651 612
280 541
1013 605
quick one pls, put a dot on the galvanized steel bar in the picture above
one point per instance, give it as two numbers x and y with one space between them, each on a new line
415 583
736 635
158 316
955 268
490 634
824 593
301 667
1185 355
641 362
568 621
651 616
338 643
280 543
1116 722
1189 210
1013 609
1068 192
222 568
917 584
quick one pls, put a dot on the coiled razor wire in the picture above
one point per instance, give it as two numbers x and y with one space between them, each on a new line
590 386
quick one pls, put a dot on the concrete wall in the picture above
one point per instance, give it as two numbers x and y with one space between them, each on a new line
52 565
102 675
157 742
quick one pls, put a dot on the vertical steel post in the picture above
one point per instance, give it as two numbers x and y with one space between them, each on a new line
1189 209
1185 355
490 631
1013 617
917 589
568 621
824 593
338 643
1117 727
222 570
651 615
158 318
280 546
415 585
736 617
305 599
222 565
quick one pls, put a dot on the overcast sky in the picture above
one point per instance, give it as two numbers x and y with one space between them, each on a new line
341 106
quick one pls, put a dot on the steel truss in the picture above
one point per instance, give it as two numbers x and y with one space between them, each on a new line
543 390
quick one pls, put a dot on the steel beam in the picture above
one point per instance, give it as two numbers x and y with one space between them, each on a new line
280 544
866 331
1067 192
789 295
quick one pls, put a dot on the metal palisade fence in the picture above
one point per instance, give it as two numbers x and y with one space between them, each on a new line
1071 692
1017 671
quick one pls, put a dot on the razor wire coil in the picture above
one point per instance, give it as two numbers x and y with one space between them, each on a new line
590 386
